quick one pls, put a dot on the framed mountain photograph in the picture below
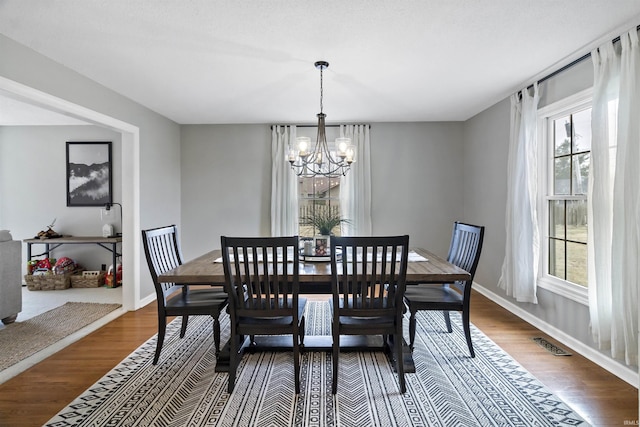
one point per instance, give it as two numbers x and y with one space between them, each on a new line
89 180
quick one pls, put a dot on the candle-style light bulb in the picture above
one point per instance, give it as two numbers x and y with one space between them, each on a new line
342 144
304 143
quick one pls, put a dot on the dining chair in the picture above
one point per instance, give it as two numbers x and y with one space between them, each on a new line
368 276
162 250
464 252
262 280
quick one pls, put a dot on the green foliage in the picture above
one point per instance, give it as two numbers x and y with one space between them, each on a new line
324 220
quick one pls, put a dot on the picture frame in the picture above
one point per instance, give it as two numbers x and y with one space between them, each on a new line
89 173
321 245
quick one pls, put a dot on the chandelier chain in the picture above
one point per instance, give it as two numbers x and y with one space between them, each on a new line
321 89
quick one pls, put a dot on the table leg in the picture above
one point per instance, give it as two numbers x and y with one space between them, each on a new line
114 260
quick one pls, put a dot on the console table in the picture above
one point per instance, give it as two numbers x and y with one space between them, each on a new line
108 243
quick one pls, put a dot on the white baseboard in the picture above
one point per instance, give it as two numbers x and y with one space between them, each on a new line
147 300
605 362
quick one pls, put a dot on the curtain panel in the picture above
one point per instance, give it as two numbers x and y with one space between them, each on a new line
355 186
284 184
614 198
520 266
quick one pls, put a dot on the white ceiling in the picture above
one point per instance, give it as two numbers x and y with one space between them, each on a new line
251 61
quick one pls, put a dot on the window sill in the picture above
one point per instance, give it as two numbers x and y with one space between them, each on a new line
568 290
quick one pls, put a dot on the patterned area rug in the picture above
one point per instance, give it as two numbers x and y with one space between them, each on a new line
448 389
20 340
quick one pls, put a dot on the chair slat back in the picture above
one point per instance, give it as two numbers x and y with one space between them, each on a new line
465 249
162 250
368 274
261 275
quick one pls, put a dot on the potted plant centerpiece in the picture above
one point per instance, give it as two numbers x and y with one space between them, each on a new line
325 221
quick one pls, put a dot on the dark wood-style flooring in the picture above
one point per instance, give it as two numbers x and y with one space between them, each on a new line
33 397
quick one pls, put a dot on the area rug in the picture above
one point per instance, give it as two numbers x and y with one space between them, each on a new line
448 389
20 340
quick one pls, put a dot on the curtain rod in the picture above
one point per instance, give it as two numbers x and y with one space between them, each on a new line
572 63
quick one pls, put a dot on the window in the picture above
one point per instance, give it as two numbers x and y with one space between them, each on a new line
565 142
317 197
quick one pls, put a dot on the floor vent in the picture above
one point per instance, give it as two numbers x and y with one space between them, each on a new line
550 347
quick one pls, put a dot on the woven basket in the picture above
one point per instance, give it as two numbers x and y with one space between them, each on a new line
48 282
88 279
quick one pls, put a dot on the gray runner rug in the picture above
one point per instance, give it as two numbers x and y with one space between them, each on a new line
448 389
22 339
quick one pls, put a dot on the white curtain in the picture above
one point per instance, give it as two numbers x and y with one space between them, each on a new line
355 186
284 184
614 197
520 266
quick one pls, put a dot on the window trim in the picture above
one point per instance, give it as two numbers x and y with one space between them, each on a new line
546 114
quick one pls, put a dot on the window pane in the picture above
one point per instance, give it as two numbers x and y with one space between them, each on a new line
577 263
580 176
556 258
305 188
562 176
556 219
562 135
577 220
582 131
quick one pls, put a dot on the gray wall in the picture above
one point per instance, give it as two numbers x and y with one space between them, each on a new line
226 182
158 162
486 142
416 186
33 188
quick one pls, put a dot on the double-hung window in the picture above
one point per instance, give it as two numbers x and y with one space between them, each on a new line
565 143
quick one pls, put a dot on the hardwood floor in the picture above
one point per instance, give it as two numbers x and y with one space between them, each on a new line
33 397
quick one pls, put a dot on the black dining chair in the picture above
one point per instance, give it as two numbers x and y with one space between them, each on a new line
464 252
162 250
368 276
262 280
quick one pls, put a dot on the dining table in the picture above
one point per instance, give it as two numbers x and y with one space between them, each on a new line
423 268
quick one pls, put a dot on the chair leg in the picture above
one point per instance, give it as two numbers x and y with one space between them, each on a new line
447 321
302 331
233 359
335 354
412 329
467 332
400 360
162 328
296 360
183 328
216 334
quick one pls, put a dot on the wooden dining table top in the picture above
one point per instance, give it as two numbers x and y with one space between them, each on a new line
205 270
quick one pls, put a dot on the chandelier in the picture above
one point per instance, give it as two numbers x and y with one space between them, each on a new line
321 159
